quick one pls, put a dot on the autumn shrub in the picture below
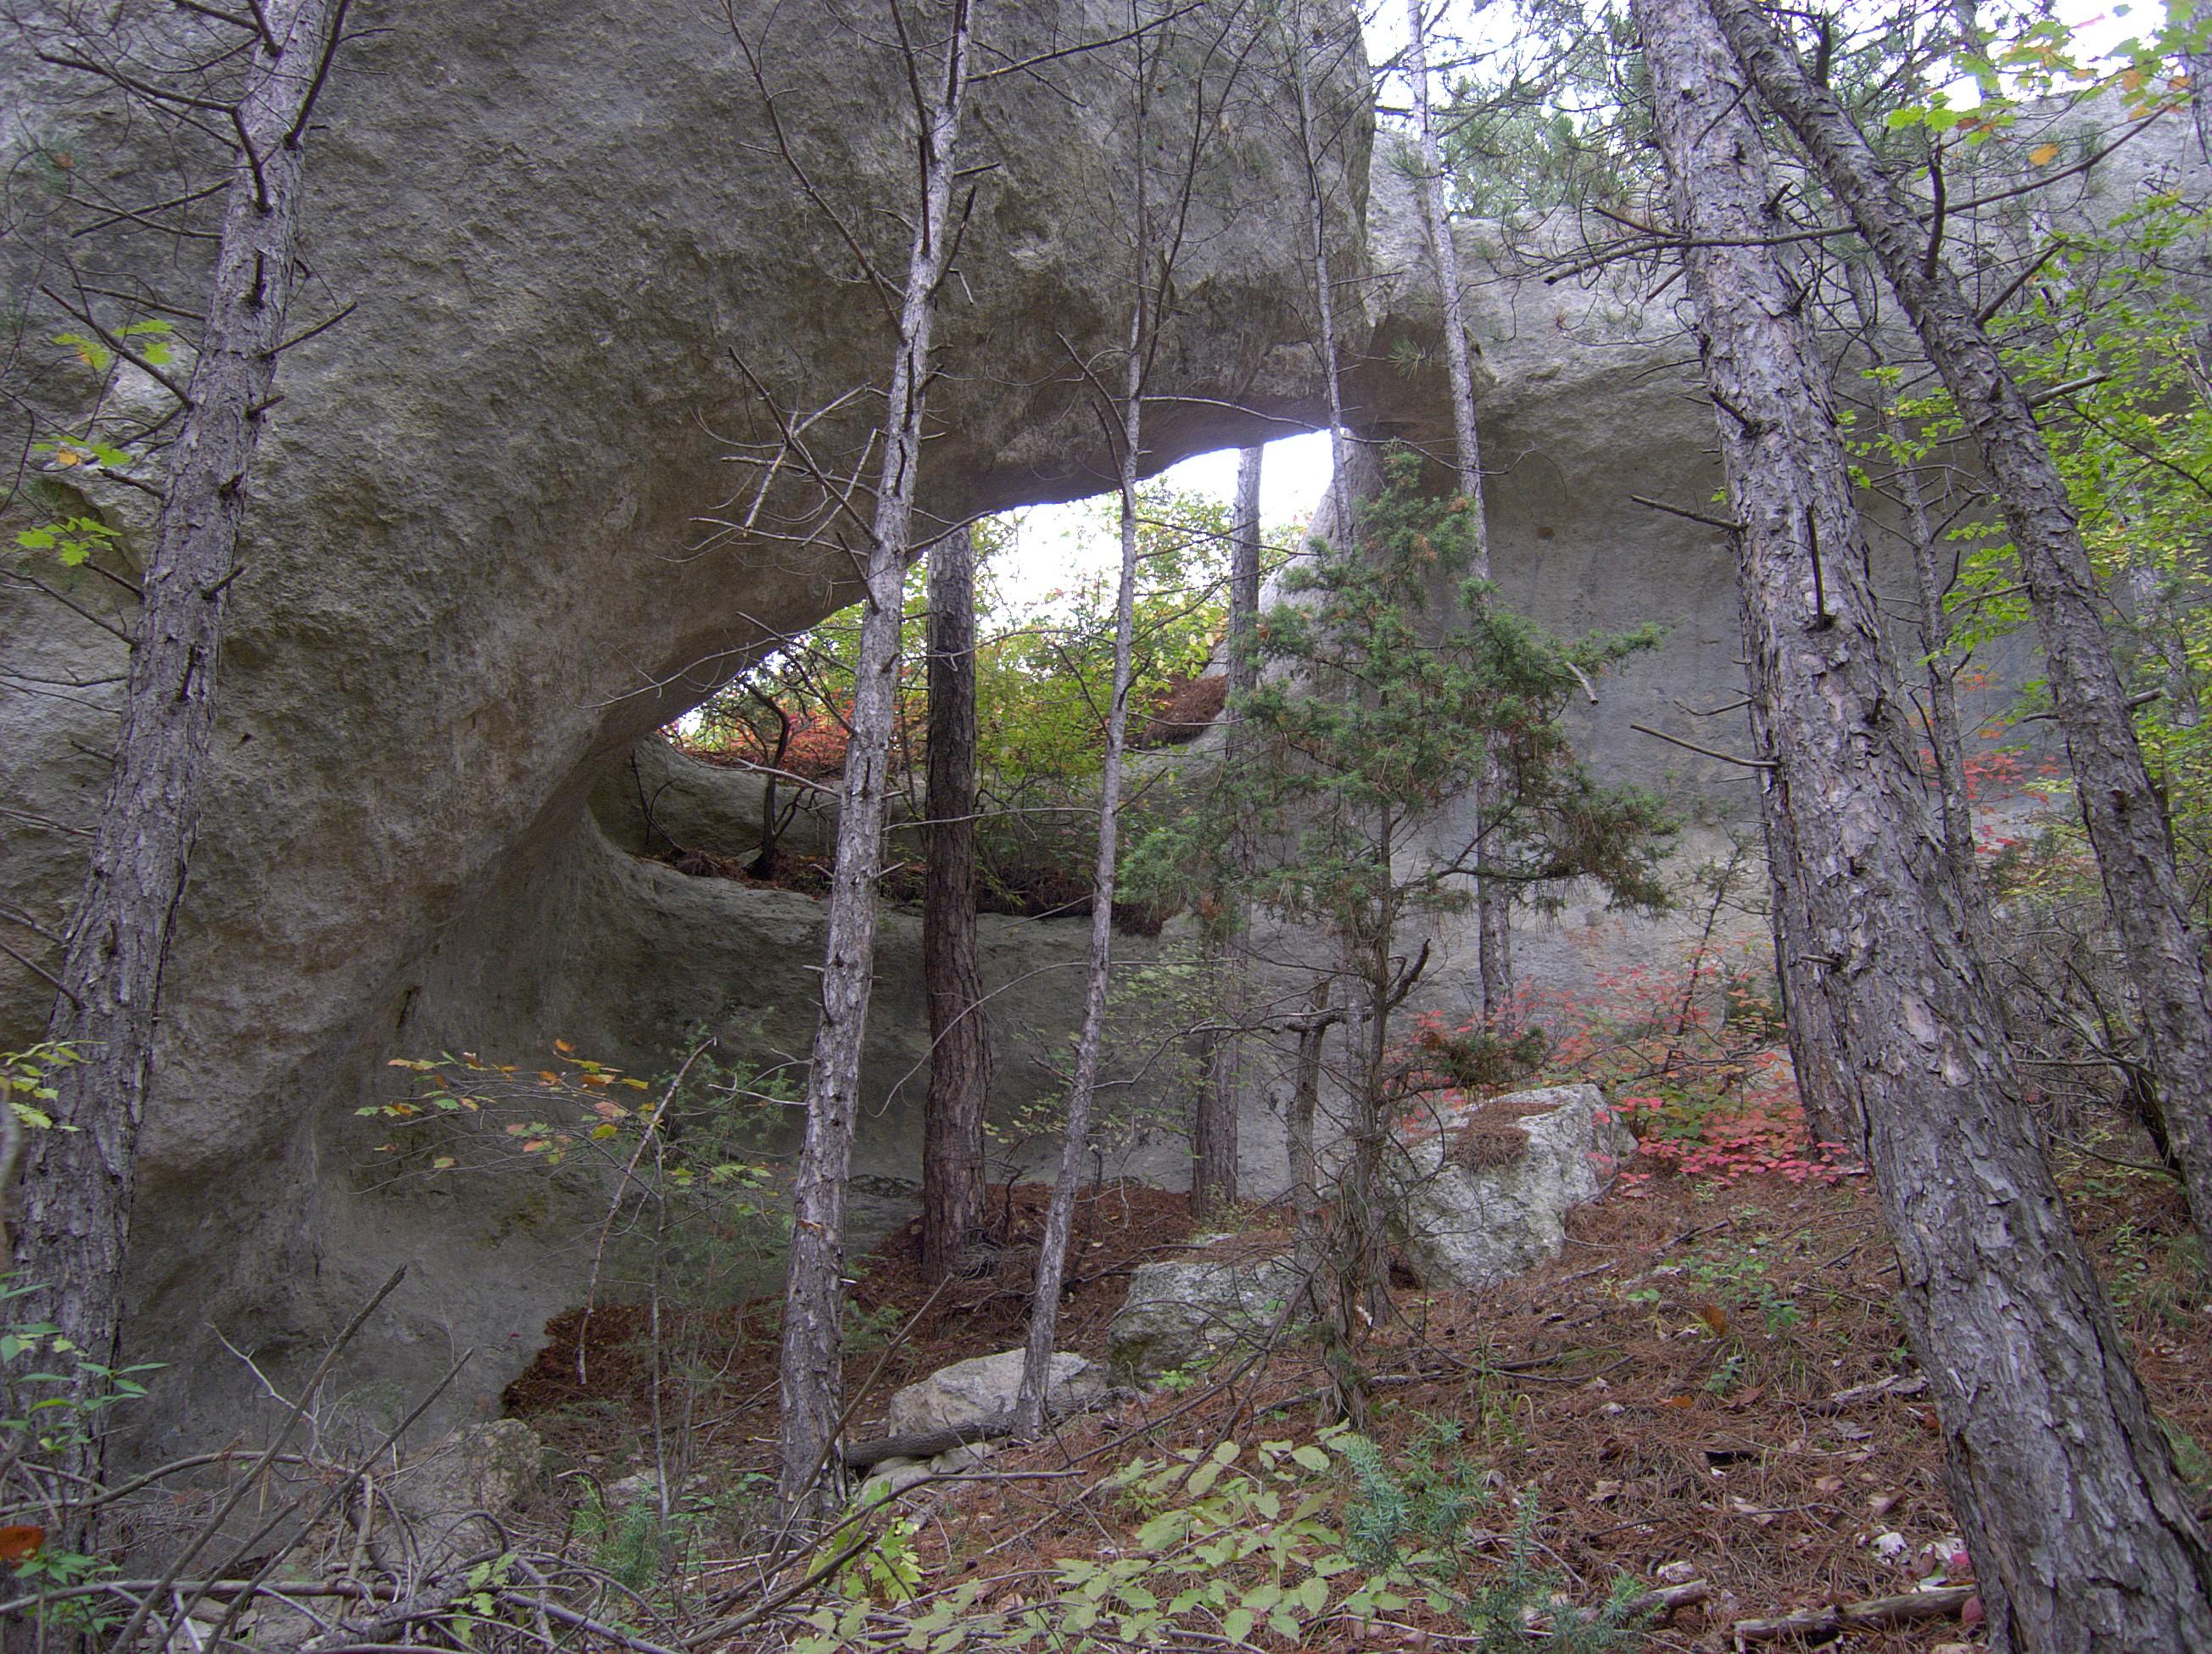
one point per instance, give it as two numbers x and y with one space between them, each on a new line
1689 1054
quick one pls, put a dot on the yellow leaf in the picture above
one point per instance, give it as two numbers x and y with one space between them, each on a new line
69 456
563 1046
2131 81
2042 153
442 1162
600 1133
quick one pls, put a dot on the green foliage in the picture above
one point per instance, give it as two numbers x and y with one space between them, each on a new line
1305 1541
25 1084
1044 677
51 1399
888 1566
52 1408
633 1542
97 355
73 539
1371 721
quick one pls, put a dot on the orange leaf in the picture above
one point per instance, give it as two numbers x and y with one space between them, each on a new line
563 1046
1677 1401
21 1543
2044 154
1716 1318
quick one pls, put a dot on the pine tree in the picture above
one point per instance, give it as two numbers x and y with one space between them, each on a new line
1378 708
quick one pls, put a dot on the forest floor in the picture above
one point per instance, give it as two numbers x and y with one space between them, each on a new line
1709 1385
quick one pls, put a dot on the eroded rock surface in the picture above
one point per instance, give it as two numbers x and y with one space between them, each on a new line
1485 1198
1185 1313
489 550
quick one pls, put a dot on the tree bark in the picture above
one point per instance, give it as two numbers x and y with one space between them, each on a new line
960 1048
1304 1155
960 1055
80 1178
1213 1134
2081 1536
2161 948
1945 741
1493 899
810 1376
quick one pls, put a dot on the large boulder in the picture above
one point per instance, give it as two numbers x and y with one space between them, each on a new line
1187 1312
978 1395
1486 1196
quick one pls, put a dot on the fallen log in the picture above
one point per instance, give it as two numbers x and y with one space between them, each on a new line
1876 1611
923 1443
1668 1598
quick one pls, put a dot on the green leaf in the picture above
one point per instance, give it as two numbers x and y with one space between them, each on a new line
1285 1625
1237 1624
1314 1458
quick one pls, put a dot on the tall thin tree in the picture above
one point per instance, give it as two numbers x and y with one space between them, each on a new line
79 1179
810 1372
1031 1402
2161 949
952 982
1160 223
2082 1535
1213 1134
1493 898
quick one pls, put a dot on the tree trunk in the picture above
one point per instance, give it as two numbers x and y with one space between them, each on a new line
1060 1213
1945 742
811 1376
1213 1135
2161 949
80 1178
960 1047
2082 1535
1304 1156
1493 899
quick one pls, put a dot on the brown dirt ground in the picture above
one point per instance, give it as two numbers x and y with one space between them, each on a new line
1664 1390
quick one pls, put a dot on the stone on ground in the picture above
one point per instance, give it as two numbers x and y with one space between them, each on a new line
1477 1207
1189 1311
979 1394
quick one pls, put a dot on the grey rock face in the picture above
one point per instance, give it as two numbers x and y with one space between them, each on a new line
1185 1311
979 1394
1475 1209
488 550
